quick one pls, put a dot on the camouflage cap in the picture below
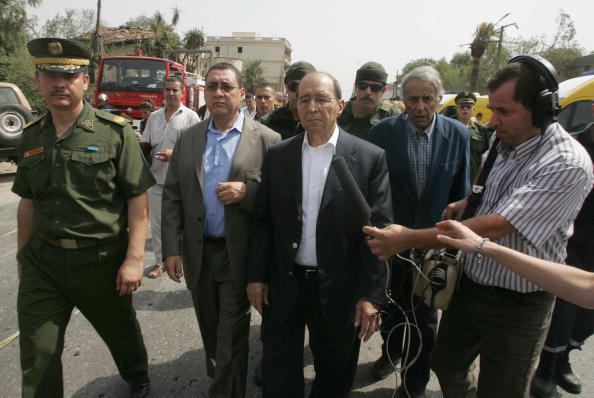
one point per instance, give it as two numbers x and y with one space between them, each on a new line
465 97
372 71
59 55
298 70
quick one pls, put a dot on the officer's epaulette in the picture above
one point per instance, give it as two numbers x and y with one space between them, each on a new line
33 122
111 117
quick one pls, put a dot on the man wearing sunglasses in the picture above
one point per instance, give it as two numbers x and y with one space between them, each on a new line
479 134
367 107
285 120
208 205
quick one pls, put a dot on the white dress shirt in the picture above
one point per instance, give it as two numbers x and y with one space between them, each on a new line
315 162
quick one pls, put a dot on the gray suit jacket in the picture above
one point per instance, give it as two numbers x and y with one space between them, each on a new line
183 207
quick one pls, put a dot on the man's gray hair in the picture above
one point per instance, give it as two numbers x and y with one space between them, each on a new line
424 73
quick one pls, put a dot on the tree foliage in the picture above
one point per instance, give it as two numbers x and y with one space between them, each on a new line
15 26
193 40
165 37
560 48
70 24
252 75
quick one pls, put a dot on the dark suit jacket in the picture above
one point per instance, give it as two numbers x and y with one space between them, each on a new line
449 177
347 269
183 206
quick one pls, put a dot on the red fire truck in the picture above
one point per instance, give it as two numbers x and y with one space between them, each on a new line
129 80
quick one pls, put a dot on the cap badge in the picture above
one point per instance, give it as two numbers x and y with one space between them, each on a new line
54 48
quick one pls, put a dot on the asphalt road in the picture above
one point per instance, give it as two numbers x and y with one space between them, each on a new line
171 334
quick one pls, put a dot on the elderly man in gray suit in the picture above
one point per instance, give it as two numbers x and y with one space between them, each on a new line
208 205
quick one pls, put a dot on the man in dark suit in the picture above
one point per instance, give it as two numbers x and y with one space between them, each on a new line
309 264
428 161
208 204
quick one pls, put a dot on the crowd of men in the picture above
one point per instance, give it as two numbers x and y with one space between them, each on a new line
300 212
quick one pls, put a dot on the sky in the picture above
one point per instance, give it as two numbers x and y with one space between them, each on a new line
338 36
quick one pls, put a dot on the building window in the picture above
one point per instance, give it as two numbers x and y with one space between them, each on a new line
239 50
217 49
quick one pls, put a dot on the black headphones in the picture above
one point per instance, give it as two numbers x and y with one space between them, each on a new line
545 105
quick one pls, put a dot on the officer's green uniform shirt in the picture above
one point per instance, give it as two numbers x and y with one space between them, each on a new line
480 136
360 126
80 182
281 120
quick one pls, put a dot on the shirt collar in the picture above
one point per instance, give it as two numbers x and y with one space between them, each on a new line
237 124
428 131
331 142
522 150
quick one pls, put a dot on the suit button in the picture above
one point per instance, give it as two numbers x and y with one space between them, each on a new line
294 245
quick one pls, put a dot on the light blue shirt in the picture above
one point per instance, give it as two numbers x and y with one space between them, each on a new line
218 158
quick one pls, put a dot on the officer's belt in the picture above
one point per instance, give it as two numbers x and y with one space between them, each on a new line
77 243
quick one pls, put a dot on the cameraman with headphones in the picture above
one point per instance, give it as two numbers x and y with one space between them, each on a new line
530 189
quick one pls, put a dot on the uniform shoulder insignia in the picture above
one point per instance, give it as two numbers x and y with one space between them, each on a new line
112 118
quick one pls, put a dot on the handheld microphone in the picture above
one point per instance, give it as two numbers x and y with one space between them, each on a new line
360 212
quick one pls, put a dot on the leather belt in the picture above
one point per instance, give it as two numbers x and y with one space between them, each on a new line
215 241
76 243
305 270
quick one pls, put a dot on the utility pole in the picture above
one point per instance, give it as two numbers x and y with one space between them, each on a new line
98 44
500 42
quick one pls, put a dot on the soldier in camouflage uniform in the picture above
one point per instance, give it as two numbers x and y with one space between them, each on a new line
284 120
367 107
82 225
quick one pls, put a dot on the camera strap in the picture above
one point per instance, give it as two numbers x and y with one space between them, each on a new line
478 189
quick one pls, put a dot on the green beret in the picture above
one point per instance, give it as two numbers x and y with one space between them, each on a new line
465 97
298 70
59 55
372 71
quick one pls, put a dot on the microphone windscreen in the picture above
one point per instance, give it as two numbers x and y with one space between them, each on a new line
360 211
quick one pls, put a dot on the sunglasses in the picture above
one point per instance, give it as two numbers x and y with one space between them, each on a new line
224 87
375 88
465 106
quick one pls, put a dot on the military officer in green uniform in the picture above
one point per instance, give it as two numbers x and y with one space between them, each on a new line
367 107
284 120
480 135
82 224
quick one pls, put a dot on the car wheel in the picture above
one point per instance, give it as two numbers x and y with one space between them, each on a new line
13 118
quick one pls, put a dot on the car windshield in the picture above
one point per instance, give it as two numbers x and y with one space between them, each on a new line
7 94
125 74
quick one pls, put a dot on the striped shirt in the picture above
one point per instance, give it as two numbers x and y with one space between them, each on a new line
420 151
538 187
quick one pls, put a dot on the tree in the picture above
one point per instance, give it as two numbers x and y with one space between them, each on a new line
483 35
165 37
252 75
69 25
15 26
193 40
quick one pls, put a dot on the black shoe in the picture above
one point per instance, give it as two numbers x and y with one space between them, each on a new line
543 383
382 367
140 391
402 393
258 374
565 377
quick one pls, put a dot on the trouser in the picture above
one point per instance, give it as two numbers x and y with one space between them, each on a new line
155 195
223 313
506 328
403 342
335 349
571 325
54 281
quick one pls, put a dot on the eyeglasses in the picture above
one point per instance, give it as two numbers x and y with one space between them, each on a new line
375 88
292 86
319 101
465 106
223 86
